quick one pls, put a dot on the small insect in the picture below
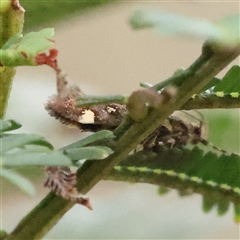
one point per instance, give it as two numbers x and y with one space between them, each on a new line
62 106
174 132
91 118
63 182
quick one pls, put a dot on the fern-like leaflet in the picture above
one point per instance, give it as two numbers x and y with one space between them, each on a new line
171 137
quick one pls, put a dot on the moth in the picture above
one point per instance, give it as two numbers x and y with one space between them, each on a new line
62 106
175 132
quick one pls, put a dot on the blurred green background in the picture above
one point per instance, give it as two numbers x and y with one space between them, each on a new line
101 54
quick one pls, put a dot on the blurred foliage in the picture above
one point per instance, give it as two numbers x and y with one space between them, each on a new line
3 234
230 82
18 150
224 32
223 124
223 129
41 14
18 180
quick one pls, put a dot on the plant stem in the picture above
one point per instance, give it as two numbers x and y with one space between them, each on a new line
88 100
211 101
178 79
6 78
91 172
50 209
11 22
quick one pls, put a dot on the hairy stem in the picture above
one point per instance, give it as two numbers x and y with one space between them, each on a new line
11 22
27 227
6 78
211 101
91 172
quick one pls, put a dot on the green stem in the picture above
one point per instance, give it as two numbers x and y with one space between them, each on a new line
123 127
11 22
93 171
211 101
46 213
6 78
178 79
88 100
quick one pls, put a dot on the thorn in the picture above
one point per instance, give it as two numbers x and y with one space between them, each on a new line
85 202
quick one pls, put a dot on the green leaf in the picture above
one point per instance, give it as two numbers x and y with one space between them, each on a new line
211 84
41 14
25 158
198 167
237 212
12 40
225 31
208 204
104 134
163 190
12 141
3 234
230 29
24 51
96 152
230 83
215 177
8 125
223 207
169 24
30 149
18 180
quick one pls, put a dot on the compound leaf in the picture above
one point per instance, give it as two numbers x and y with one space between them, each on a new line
104 134
11 141
26 50
215 177
95 152
8 125
223 207
25 158
18 180
230 83
224 32
237 212
28 149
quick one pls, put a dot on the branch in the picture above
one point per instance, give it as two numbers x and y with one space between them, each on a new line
211 63
11 21
211 101
47 212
